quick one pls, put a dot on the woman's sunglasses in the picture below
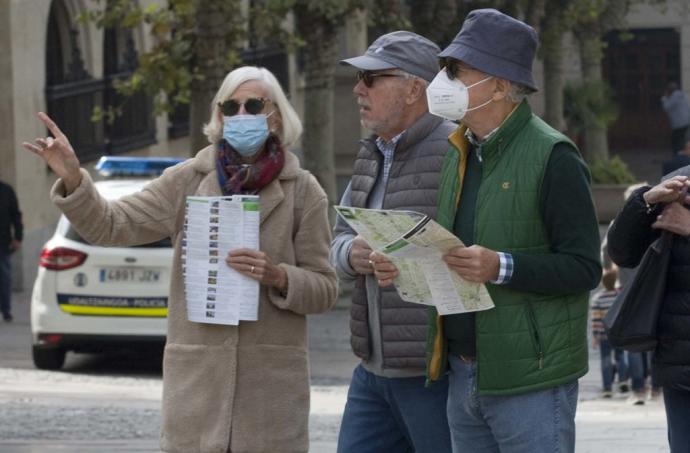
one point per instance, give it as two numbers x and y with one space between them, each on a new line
368 77
253 106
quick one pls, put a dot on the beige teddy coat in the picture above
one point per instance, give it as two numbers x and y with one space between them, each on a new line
228 388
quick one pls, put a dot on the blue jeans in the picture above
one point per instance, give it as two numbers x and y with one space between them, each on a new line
5 283
534 422
608 372
678 416
636 366
648 368
394 415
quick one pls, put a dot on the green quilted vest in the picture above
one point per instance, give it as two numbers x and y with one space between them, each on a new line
529 341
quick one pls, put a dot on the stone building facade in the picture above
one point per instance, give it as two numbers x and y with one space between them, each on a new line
50 62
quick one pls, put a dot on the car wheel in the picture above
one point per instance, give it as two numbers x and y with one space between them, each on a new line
48 358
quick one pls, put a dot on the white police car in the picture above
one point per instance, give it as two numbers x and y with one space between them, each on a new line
88 298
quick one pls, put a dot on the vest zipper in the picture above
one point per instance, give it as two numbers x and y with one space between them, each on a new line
536 336
380 327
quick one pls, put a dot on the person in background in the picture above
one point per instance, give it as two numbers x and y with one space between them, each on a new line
675 104
638 377
239 388
679 160
629 365
655 390
505 182
601 302
648 212
388 407
11 235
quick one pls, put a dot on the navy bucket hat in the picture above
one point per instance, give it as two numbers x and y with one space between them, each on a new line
496 44
404 50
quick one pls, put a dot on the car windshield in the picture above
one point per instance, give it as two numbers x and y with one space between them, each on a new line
73 235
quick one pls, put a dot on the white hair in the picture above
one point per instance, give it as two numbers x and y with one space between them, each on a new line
291 124
518 92
408 76
632 188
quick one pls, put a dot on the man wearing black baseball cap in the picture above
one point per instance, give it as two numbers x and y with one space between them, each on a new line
516 192
389 408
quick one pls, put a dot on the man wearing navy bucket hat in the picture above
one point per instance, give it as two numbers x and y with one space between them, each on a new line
516 192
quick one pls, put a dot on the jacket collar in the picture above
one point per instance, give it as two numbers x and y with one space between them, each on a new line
498 141
271 195
507 131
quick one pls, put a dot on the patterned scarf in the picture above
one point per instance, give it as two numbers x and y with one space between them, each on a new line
236 177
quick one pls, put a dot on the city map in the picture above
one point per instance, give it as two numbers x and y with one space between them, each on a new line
415 244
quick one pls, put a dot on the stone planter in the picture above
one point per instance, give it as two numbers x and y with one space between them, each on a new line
608 200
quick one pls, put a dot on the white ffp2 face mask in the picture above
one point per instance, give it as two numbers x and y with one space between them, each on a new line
449 98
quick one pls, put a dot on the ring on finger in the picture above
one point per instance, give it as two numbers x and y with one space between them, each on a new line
252 269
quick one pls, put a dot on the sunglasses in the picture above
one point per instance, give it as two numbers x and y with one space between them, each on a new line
453 67
253 106
368 77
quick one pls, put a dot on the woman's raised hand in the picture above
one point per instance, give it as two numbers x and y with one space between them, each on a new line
58 154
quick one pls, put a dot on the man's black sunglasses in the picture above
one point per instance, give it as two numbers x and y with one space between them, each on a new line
253 106
368 77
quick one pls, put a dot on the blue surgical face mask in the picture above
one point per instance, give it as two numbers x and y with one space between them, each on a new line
245 133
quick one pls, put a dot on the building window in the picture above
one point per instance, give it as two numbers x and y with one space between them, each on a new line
638 65
178 121
71 92
273 58
134 127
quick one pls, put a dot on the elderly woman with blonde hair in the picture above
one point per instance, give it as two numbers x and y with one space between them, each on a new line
227 388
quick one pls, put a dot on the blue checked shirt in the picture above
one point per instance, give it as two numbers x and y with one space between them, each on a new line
387 148
505 271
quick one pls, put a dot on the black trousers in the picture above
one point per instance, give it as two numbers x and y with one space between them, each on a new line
677 405
5 283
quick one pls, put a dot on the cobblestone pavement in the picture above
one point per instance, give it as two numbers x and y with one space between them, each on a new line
112 404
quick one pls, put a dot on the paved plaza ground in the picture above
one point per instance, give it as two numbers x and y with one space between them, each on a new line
603 425
68 406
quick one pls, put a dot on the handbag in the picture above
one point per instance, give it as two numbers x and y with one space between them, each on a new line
632 320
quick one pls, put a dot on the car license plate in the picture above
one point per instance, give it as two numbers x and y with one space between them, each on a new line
129 275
